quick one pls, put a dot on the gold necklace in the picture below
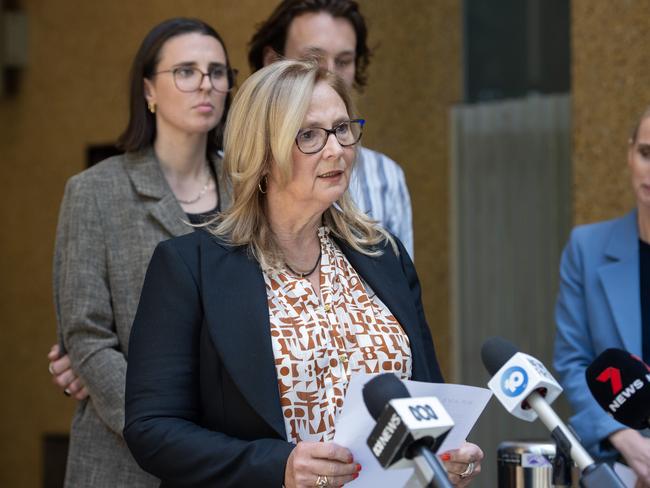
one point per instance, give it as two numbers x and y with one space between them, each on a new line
201 193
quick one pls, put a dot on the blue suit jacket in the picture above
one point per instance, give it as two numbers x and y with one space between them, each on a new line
598 307
202 398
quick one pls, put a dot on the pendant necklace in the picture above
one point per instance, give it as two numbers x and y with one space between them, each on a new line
306 273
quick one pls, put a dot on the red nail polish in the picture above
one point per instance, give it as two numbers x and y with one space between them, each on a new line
445 457
358 467
355 476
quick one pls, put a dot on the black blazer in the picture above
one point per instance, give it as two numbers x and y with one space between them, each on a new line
202 399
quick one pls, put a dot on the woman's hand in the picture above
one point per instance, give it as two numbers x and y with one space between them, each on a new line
463 464
311 462
636 450
64 376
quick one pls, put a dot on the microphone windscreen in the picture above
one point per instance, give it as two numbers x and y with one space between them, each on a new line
380 390
495 352
620 383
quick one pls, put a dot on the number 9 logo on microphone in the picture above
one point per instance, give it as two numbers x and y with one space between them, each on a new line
514 381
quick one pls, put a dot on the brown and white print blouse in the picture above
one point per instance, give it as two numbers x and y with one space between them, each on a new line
319 342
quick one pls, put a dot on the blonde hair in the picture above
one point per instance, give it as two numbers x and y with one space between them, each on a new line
261 130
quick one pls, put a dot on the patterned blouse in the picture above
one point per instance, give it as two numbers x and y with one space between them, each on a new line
319 342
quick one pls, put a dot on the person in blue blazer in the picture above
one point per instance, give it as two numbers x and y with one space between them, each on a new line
604 302
247 333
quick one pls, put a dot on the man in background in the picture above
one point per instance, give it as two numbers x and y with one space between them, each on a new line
335 33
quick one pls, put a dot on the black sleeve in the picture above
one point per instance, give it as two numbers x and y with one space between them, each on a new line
416 295
163 392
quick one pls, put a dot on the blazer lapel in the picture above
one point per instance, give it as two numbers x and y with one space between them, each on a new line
237 315
620 279
147 178
225 190
382 273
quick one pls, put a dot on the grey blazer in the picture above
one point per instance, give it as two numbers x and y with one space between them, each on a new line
111 218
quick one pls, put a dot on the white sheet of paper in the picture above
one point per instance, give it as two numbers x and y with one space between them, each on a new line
627 475
463 403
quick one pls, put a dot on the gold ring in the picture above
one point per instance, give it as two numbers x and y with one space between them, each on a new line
50 368
322 481
468 471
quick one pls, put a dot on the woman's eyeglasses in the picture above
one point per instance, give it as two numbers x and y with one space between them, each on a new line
189 78
313 139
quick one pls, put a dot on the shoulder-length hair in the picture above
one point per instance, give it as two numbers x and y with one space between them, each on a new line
273 31
141 129
265 117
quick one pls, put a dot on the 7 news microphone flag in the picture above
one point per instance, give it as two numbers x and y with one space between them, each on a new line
620 383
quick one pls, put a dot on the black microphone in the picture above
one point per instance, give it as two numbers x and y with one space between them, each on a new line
408 430
519 381
620 383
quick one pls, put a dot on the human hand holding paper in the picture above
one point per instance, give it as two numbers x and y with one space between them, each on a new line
464 404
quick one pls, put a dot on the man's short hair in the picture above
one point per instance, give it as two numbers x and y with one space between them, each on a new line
273 32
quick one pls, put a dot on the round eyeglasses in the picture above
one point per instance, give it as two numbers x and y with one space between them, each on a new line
313 139
189 78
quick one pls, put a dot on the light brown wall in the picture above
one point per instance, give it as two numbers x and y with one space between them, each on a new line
74 94
611 87
414 79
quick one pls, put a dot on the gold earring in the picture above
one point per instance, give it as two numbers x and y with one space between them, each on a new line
152 107
266 184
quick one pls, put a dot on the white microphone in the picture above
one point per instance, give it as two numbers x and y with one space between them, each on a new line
525 388
408 430
520 376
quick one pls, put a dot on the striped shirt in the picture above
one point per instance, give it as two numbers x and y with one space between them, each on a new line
378 188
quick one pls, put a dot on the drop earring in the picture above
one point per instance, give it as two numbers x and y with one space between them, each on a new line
264 180
152 107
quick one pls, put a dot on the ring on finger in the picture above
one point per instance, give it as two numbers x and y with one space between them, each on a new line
322 481
468 470
67 392
50 368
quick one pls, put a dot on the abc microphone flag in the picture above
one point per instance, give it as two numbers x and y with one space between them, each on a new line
402 421
408 430
620 383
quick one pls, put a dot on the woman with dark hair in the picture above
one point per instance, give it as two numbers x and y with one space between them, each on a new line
113 215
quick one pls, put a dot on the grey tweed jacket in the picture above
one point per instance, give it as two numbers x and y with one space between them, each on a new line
111 219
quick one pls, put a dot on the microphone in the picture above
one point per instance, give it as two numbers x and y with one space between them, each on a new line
408 430
520 375
620 383
525 388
